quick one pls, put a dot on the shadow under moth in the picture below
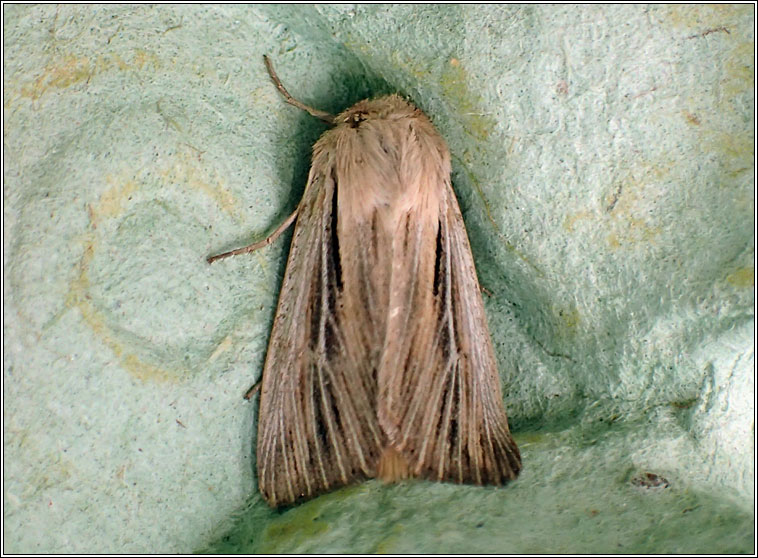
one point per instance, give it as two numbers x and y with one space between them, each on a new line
380 363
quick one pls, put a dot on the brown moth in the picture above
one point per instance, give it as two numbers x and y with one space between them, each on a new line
380 363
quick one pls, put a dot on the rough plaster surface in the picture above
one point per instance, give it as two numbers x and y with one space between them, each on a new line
603 158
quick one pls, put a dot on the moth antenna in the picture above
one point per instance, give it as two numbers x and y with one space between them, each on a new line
320 114
260 244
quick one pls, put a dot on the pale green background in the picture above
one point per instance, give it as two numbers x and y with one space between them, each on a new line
603 158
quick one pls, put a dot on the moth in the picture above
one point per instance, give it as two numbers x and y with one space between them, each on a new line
380 363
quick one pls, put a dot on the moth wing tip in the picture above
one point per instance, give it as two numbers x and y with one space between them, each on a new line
392 466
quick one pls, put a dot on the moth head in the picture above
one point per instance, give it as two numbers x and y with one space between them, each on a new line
391 107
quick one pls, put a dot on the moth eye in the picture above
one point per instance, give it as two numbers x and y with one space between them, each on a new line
356 118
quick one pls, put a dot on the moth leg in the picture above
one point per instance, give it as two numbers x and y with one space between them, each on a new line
265 242
253 390
320 114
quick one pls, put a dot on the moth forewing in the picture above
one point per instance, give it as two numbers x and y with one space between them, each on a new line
379 362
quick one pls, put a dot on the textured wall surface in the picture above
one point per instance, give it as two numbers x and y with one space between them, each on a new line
603 159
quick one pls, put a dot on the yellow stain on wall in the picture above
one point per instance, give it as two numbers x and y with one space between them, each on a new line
634 231
571 220
181 170
734 150
740 71
78 297
701 17
184 171
70 70
455 83
65 73
569 317
622 231
743 277
111 202
293 529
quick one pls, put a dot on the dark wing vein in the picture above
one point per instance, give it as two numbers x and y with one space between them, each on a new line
317 425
